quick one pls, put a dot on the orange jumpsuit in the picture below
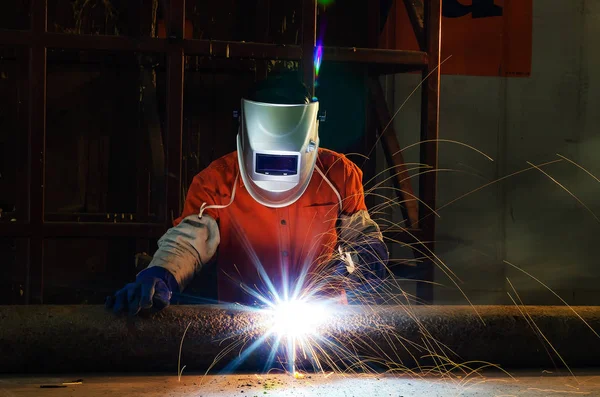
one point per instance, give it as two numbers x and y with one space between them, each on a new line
262 246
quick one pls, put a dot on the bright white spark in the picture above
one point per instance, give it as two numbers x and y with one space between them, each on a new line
296 319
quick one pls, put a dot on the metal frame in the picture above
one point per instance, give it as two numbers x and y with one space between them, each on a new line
430 119
175 47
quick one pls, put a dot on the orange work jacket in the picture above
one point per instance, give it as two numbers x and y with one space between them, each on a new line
267 248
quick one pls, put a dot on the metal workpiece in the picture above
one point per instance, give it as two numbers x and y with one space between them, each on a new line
74 339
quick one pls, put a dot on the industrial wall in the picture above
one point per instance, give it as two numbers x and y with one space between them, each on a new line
526 219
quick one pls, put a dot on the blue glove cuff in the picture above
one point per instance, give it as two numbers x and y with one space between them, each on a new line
161 273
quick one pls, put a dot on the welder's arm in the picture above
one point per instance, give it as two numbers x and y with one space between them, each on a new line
182 251
362 255
362 251
185 248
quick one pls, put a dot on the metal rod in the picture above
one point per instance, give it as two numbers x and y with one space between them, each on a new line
53 338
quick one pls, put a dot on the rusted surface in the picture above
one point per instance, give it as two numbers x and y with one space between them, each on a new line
415 10
42 339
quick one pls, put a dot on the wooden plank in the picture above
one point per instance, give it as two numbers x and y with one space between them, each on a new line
430 105
391 149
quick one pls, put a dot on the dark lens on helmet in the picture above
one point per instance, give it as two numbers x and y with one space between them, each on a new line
273 164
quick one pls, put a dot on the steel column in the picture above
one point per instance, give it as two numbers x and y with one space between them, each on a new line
175 66
415 10
37 148
430 106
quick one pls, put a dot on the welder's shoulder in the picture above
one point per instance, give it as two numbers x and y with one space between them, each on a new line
334 163
221 171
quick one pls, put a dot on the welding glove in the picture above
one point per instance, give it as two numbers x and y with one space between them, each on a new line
151 291
363 267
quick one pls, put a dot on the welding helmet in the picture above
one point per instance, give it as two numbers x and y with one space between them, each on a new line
277 148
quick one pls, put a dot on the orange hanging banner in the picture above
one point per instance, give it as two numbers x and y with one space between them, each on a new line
483 37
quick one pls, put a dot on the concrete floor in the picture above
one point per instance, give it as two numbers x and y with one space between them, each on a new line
527 384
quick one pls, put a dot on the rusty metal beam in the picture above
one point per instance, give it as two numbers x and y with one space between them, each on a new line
415 10
375 56
175 74
83 42
233 49
217 49
54 339
37 149
98 229
430 117
82 229
214 48
391 149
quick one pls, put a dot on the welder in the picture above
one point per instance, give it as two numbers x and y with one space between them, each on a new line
269 215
